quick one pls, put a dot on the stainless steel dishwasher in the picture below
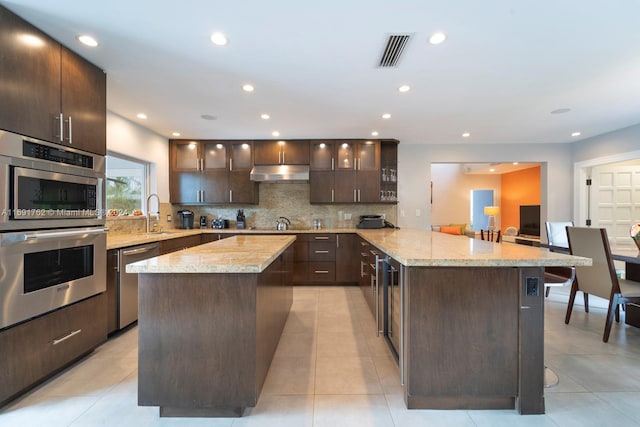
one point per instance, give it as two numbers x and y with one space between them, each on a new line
128 282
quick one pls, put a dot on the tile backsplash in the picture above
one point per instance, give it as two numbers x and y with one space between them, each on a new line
290 200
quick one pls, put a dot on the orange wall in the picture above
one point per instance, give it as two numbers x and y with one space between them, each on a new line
518 188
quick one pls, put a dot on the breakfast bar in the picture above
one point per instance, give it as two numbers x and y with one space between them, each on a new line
209 321
472 319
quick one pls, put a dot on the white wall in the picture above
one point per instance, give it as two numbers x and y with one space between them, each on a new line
130 139
414 175
452 190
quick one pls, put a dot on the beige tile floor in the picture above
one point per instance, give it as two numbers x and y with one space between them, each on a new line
330 370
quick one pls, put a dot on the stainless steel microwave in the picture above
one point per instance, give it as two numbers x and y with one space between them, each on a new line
47 186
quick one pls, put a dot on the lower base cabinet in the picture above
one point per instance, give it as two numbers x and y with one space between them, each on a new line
34 350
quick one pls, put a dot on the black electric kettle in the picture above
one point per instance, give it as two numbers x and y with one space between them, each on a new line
185 219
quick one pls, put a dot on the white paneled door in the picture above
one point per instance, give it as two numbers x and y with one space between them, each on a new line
615 202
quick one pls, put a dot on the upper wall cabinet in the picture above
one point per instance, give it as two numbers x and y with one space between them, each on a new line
345 171
290 152
211 172
47 91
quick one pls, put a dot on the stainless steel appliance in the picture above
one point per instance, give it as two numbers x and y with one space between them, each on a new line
41 271
44 185
391 303
128 282
282 223
185 219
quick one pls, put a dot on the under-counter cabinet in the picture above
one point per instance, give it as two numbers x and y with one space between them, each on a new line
179 243
49 92
34 350
212 172
289 152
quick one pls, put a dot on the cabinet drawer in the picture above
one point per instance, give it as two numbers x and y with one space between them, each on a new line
31 351
322 238
322 272
324 251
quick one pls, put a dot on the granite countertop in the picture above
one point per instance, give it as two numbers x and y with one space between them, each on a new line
237 254
420 248
123 240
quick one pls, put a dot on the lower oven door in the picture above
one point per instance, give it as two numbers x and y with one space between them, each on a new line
41 271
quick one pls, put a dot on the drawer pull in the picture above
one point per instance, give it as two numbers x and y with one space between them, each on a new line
321 252
66 337
321 237
321 271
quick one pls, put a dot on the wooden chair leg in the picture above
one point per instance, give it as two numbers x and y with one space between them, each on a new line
613 303
617 313
586 303
546 292
572 298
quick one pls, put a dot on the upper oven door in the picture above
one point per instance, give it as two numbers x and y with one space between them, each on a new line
39 194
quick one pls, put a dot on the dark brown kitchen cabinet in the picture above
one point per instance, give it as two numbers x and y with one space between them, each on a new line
347 265
345 172
389 171
49 92
289 152
34 350
211 172
179 243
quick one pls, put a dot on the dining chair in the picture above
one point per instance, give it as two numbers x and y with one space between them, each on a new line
491 235
558 276
599 279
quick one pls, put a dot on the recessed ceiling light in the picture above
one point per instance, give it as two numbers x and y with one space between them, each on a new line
265 116
576 134
142 116
437 38
386 116
466 135
88 40
560 110
515 163
219 39
176 134
208 117
247 88
404 88
492 170
375 133
275 133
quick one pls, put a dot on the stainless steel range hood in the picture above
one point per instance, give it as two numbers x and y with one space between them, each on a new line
280 173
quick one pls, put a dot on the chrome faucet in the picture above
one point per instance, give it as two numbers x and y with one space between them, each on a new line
149 213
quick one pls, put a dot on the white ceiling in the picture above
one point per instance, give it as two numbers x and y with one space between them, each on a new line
504 67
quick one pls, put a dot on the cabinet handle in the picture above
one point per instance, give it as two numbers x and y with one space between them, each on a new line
284 161
66 337
321 271
231 196
230 164
354 196
332 195
333 164
321 237
321 252
337 241
358 194
70 129
60 134
202 164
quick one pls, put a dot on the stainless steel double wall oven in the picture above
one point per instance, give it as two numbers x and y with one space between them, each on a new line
52 227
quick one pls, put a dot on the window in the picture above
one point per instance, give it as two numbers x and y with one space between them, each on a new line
126 184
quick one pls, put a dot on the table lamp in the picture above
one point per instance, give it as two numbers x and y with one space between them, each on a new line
491 212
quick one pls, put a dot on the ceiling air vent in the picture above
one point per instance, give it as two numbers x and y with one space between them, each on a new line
393 50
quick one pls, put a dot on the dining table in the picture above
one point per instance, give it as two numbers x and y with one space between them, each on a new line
631 259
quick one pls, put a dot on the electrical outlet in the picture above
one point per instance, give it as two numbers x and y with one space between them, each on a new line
533 286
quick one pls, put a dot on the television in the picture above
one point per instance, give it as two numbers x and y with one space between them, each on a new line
530 220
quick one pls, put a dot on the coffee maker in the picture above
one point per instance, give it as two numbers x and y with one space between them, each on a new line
185 219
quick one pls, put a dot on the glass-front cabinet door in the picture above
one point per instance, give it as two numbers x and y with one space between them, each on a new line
322 156
346 158
240 156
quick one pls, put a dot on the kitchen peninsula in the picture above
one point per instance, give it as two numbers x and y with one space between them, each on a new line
210 318
471 321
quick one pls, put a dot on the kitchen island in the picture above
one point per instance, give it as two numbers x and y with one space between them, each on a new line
472 319
210 318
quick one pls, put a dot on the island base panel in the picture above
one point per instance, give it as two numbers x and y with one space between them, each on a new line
215 412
